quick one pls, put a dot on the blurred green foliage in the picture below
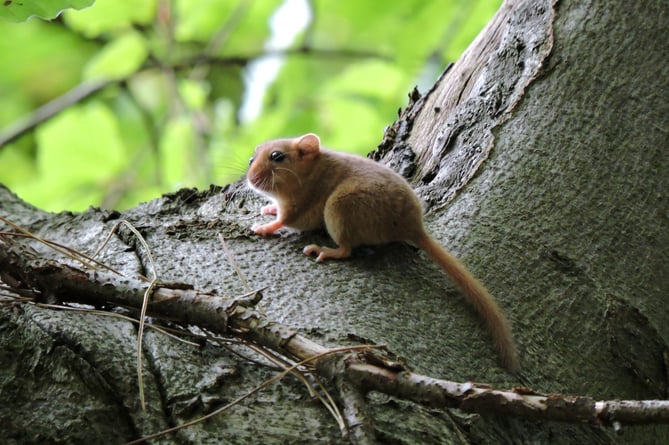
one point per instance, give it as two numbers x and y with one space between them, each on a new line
167 84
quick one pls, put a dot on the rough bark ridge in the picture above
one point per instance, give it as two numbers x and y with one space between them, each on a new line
552 159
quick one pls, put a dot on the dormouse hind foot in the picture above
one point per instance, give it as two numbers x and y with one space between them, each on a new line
325 253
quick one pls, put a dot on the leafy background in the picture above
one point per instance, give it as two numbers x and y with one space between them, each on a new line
152 95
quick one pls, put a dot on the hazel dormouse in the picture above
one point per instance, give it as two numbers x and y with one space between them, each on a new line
359 202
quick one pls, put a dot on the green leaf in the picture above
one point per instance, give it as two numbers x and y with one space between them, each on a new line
54 197
363 79
119 58
110 15
21 10
148 137
244 24
176 150
15 166
199 23
82 145
194 93
79 153
40 61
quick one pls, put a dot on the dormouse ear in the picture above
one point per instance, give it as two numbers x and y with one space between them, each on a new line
307 145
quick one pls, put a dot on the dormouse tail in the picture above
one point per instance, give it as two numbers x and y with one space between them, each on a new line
479 297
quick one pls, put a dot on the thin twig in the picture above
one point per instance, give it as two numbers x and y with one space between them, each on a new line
50 109
263 385
220 37
341 53
233 262
145 301
84 90
227 342
116 315
145 304
325 399
64 250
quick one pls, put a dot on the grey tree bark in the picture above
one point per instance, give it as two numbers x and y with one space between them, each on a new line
541 157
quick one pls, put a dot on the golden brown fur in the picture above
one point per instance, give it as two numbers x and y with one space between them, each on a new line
359 202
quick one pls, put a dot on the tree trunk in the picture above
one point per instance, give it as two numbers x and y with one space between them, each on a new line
540 156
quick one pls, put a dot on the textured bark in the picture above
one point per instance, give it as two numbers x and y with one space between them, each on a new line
541 156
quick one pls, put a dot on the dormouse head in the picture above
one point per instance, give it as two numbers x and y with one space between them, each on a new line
280 167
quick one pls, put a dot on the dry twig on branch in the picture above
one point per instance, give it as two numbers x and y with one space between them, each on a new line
354 372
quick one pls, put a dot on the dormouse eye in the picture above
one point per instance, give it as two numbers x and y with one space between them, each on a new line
251 160
277 156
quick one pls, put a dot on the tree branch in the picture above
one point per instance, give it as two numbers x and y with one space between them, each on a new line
354 373
86 89
360 430
50 109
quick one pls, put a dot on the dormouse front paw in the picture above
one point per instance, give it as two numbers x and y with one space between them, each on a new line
270 209
267 229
